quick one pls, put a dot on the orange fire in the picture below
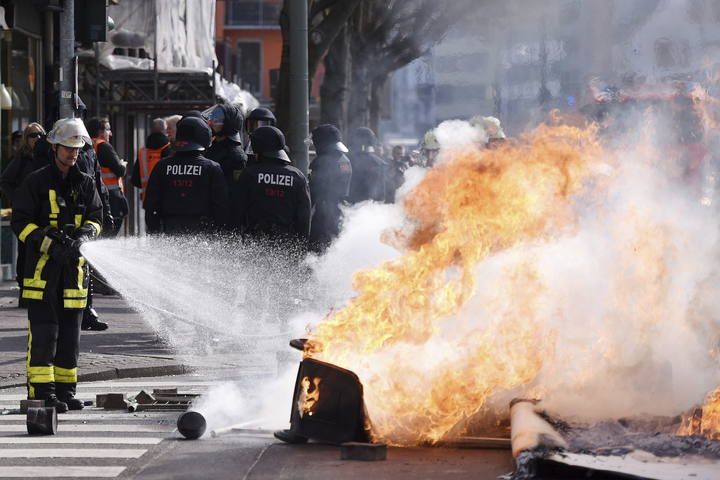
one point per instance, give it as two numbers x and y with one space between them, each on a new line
704 420
309 396
396 333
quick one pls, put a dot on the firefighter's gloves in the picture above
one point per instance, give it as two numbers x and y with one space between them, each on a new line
108 223
63 253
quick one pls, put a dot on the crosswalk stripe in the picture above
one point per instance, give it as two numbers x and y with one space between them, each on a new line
65 427
16 397
71 453
99 417
9 440
57 471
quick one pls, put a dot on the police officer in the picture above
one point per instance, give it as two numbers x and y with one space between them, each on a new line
368 179
395 175
187 192
272 199
157 146
56 209
329 185
113 170
260 117
226 122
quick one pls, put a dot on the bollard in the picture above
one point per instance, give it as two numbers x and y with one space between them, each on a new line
41 421
191 425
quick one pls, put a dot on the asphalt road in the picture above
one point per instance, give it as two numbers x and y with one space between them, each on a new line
97 443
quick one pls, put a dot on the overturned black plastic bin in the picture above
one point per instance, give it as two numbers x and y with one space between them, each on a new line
327 406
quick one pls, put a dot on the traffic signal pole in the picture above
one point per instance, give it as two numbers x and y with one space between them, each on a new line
66 58
299 95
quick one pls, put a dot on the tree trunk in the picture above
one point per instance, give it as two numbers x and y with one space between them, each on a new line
333 91
376 98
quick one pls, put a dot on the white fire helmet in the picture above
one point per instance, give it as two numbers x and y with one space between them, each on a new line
69 132
430 141
491 125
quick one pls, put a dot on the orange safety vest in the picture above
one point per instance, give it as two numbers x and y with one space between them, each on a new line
110 180
148 158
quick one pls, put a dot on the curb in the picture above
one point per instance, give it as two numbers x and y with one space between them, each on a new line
118 373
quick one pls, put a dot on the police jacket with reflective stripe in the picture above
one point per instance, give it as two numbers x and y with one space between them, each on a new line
186 193
45 199
272 198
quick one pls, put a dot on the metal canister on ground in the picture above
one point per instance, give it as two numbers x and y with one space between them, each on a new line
42 421
191 425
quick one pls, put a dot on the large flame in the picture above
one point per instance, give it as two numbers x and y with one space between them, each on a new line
474 204
704 420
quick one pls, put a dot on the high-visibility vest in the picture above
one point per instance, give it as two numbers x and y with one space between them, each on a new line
110 180
148 158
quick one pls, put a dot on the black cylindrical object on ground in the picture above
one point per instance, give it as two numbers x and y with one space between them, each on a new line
42 421
191 425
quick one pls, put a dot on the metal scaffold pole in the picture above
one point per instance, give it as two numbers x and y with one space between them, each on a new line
299 101
67 53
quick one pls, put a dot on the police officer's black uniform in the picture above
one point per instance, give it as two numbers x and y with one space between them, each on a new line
368 178
56 276
259 117
187 192
272 199
228 152
329 185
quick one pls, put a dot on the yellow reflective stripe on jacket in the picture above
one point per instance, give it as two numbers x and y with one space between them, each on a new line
29 228
96 226
75 292
68 303
78 220
65 375
54 208
31 389
32 294
45 245
40 375
36 281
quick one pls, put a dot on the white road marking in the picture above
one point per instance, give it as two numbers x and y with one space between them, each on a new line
50 439
57 471
101 416
98 427
71 453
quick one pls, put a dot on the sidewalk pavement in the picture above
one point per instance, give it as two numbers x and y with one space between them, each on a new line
129 348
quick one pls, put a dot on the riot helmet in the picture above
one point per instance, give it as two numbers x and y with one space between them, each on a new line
193 135
328 137
269 142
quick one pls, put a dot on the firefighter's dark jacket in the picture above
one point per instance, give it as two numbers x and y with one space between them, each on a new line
272 198
186 193
45 200
12 177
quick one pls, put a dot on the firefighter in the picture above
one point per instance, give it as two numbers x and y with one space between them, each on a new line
490 128
87 162
395 175
113 170
156 147
186 192
272 199
56 210
260 117
368 179
226 122
329 185
430 148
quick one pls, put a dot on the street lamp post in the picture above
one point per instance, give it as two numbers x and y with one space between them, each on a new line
299 101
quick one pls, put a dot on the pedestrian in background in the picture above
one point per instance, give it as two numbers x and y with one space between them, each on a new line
395 175
56 209
330 178
186 192
12 177
157 146
368 177
113 170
